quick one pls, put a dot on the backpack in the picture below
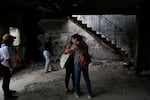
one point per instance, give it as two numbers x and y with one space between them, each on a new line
85 58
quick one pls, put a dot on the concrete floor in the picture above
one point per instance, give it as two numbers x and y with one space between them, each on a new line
110 81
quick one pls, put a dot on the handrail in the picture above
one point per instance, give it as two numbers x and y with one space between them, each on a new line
111 31
112 23
99 38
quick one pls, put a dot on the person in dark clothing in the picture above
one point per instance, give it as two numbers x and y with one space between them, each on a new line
48 53
69 65
6 67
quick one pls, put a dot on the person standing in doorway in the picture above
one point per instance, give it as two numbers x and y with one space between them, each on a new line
6 66
48 53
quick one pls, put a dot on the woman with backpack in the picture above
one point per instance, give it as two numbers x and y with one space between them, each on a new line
81 62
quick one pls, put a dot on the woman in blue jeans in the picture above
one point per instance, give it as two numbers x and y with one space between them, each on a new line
48 53
79 66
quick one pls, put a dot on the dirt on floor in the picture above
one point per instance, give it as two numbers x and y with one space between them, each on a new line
110 81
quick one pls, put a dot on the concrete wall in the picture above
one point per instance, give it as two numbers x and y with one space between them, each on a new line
61 31
119 29
125 22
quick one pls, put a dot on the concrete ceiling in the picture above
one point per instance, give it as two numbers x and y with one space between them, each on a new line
71 6
47 9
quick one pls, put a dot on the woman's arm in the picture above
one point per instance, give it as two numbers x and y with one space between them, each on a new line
68 49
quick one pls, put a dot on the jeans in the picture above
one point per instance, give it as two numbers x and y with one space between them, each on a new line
78 69
47 55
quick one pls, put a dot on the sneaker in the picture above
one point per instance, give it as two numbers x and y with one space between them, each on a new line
69 92
47 72
72 89
12 91
89 96
10 97
76 95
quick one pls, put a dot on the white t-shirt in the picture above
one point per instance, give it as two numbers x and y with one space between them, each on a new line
4 55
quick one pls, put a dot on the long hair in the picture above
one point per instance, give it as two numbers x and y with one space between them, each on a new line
78 37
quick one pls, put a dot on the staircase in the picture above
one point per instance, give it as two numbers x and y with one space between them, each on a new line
110 39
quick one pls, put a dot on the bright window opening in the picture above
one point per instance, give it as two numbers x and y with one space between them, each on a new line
16 33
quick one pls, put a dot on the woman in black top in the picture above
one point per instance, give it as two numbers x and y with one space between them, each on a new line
48 53
69 65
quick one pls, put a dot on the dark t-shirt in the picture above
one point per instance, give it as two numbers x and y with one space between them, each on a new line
48 46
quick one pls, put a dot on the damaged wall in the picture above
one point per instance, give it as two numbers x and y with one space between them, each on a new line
61 31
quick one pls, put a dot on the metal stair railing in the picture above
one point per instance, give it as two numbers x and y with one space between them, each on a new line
107 29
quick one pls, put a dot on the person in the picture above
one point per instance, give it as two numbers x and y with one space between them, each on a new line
6 66
69 66
48 53
79 47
